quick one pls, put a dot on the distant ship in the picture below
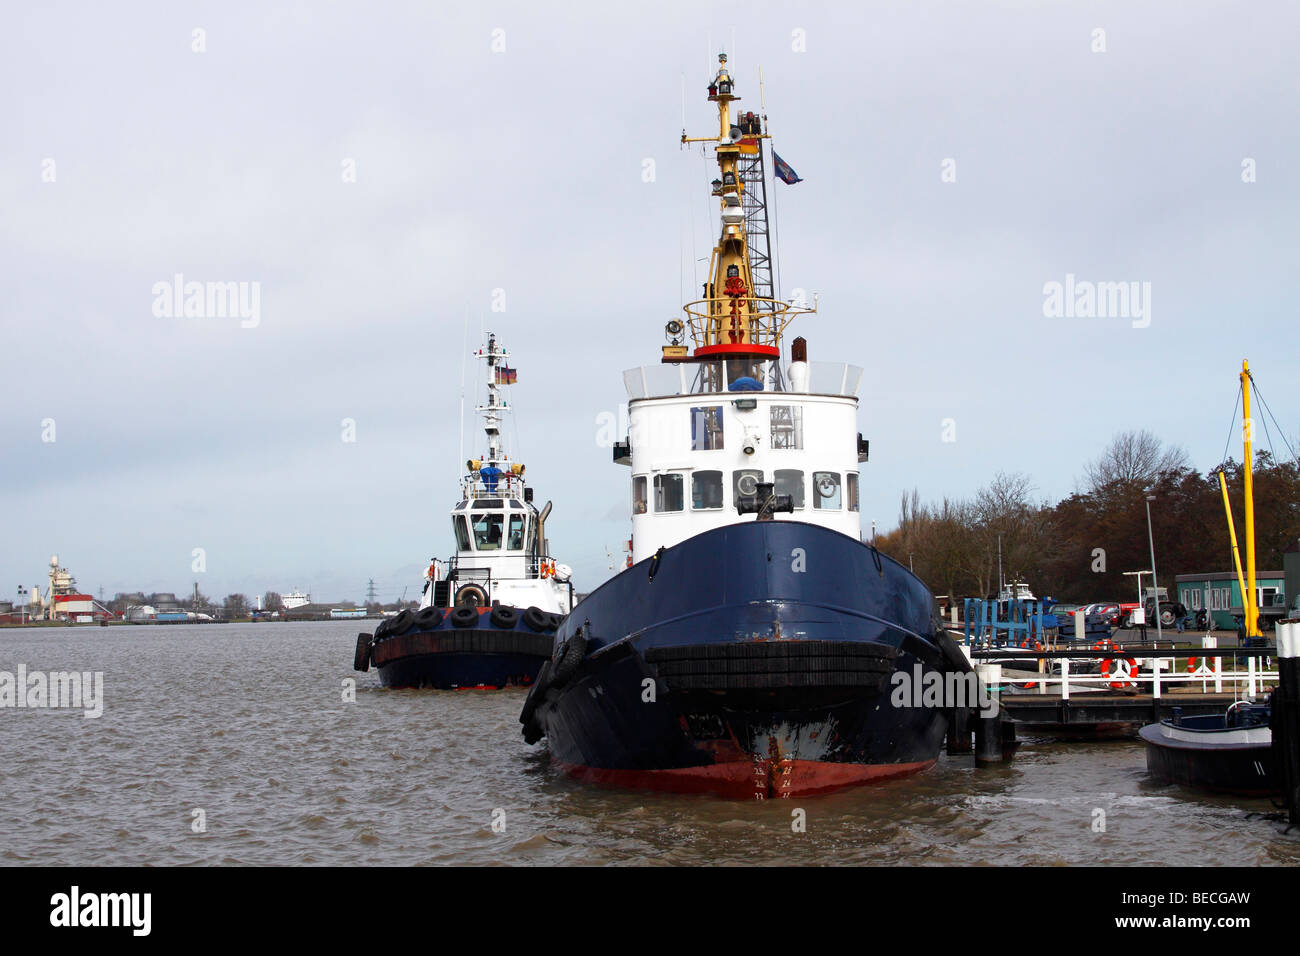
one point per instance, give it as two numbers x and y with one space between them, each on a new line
294 599
488 616
751 648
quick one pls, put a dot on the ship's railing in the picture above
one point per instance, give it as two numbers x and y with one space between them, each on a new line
759 321
657 381
507 486
479 575
1153 670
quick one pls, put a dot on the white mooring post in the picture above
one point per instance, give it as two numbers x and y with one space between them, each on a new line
1065 678
1218 675
1078 626
1155 675
1250 677
990 676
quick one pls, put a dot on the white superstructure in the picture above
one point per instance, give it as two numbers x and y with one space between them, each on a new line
699 445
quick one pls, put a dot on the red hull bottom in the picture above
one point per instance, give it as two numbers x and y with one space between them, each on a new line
759 780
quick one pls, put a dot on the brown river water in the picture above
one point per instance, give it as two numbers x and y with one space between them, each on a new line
246 723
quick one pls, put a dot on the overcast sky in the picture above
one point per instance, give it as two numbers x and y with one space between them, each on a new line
502 146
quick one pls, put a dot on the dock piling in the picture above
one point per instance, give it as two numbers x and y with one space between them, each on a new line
959 731
995 738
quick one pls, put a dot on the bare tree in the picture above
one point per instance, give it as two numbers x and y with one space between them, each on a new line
1133 457
1003 509
236 605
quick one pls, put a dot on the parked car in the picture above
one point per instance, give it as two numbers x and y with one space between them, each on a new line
1108 610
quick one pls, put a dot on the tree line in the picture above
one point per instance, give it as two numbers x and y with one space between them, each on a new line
1078 549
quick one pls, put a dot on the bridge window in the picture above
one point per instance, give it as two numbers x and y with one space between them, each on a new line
826 490
706 490
706 428
515 541
462 533
669 493
487 532
851 489
787 426
789 481
745 482
638 495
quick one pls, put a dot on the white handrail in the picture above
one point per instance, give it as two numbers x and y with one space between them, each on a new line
1252 678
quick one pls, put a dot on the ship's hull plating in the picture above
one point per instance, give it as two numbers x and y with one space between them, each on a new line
432 652
1223 768
462 671
758 661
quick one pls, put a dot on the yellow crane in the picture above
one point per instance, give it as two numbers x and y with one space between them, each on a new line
1249 601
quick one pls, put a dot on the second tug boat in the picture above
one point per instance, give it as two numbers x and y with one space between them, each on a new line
487 616
750 649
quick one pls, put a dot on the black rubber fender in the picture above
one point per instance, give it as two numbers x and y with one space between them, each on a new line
952 654
428 617
504 617
535 694
553 621
361 659
464 615
536 619
570 654
402 623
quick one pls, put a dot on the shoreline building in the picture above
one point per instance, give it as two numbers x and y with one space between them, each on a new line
1220 594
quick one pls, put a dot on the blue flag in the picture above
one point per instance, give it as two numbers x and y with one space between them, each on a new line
783 170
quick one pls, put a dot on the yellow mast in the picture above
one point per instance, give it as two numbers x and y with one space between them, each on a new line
1232 534
1249 605
729 322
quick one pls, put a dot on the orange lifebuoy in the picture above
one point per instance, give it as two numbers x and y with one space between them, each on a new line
431 572
545 570
1125 678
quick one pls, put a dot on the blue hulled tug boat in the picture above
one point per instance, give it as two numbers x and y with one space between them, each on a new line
488 616
751 647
